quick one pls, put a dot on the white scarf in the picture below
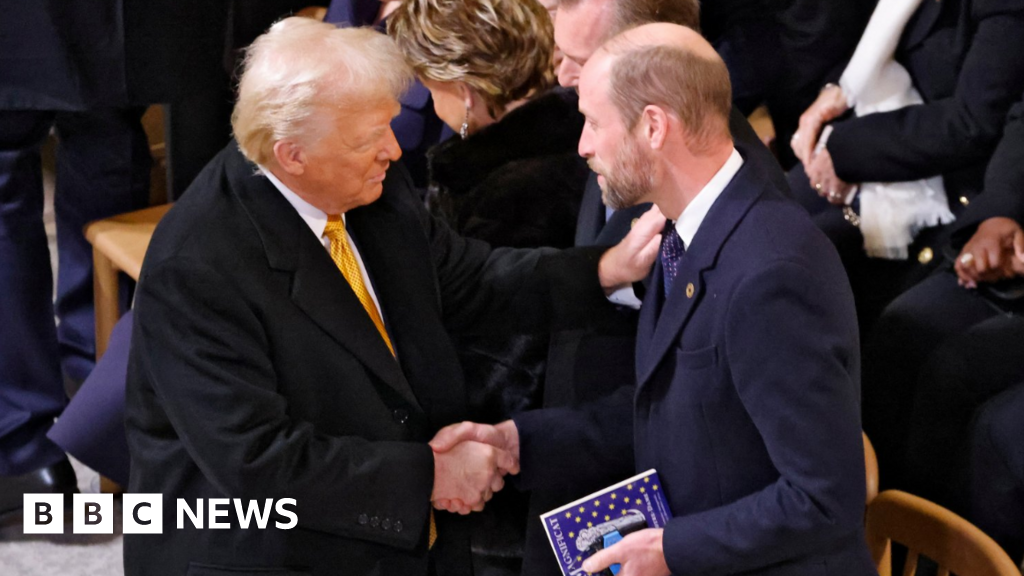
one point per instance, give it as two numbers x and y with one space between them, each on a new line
891 213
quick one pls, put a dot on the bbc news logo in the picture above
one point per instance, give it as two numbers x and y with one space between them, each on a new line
144 513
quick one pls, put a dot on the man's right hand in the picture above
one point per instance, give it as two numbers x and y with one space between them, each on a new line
469 474
995 252
632 258
502 437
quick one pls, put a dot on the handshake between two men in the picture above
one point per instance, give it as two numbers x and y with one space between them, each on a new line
471 460
470 464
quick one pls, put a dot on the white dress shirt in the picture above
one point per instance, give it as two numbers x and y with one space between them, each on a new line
691 218
694 213
316 219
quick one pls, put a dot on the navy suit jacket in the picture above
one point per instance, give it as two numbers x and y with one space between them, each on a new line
747 398
66 56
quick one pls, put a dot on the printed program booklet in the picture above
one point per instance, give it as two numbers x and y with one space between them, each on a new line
580 529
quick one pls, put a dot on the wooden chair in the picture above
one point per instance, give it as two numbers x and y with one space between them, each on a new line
930 530
118 245
871 470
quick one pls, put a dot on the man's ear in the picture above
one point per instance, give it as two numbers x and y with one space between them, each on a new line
290 156
654 126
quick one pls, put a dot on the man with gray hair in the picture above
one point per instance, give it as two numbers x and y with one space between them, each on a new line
747 350
291 341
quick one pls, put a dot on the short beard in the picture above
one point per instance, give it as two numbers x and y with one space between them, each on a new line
630 179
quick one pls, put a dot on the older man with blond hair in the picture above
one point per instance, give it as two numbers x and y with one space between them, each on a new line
291 334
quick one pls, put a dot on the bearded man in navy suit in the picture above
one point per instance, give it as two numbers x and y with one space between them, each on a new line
747 352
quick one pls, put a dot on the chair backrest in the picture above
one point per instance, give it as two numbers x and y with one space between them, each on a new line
870 469
930 530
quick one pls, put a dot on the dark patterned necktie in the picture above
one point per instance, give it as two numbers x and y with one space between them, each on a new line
672 250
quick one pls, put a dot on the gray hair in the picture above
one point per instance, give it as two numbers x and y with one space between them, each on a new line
301 64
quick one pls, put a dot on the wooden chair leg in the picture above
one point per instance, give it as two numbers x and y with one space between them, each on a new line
105 287
108 486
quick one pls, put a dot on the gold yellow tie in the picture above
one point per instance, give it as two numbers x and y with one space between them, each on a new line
345 260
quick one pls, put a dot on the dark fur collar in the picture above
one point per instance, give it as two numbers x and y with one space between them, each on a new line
546 125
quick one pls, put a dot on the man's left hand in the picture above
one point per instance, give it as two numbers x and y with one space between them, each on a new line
822 176
640 554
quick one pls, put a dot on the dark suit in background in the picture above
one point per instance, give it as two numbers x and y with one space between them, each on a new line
782 52
86 69
746 404
937 353
183 53
997 467
816 39
745 34
256 373
63 67
964 443
961 55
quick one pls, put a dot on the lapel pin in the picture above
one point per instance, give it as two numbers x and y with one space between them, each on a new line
689 290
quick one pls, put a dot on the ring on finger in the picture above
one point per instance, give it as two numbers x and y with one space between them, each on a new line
966 259
818 186
833 195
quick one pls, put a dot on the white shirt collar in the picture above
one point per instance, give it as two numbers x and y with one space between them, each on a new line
314 217
694 213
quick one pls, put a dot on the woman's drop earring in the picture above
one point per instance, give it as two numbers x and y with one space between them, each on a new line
464 132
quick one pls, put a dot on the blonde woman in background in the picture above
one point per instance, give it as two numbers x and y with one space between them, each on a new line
511 177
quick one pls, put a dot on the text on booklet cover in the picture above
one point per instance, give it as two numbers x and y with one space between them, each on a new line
582 528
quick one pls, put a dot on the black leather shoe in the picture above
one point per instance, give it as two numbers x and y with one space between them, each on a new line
57 478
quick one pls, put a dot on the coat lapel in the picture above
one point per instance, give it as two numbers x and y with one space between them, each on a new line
398 263
320 290
591 218
661 322
318 287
